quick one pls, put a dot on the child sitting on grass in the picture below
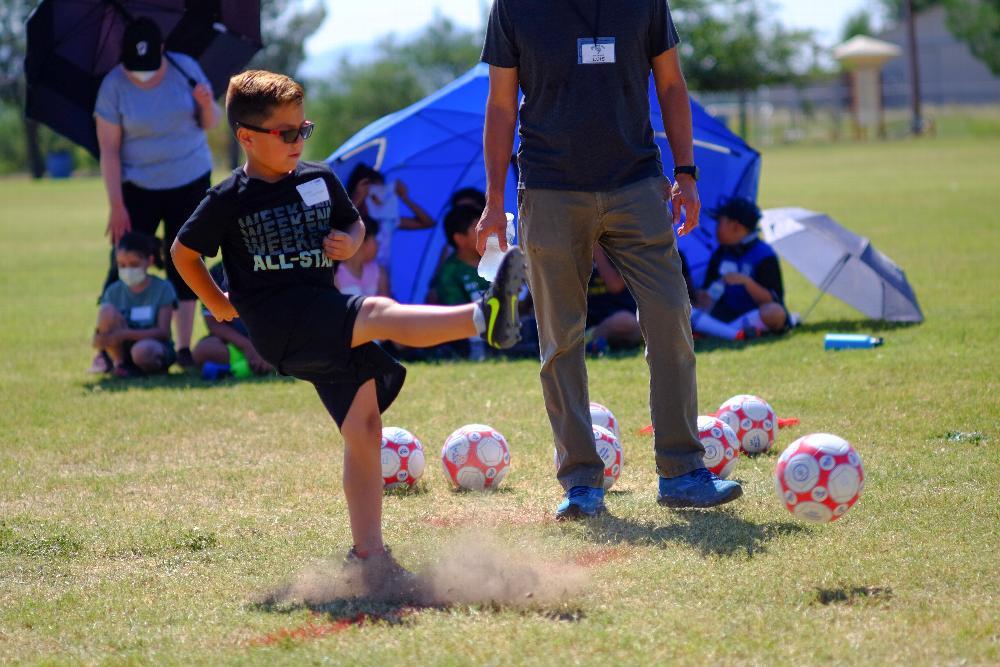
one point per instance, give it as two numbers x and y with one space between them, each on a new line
228 343
361 275
282 225
133 321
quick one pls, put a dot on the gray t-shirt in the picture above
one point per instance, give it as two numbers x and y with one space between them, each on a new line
584 126
163 146
140 309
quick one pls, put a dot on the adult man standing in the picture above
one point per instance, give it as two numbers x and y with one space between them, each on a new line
589 171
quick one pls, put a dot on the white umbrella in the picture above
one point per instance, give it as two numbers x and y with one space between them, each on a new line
841 263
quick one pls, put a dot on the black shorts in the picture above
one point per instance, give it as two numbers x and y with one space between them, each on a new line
316 347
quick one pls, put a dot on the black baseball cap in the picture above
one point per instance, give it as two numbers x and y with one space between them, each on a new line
740 209
141 46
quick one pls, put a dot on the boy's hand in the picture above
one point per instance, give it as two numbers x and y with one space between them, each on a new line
339 245
223 311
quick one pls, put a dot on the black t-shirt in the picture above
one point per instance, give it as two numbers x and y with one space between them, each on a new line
583 126
271 237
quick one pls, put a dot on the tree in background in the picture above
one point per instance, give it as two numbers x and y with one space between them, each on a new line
400 73
975 22
738 45
13 15
284 28
860 22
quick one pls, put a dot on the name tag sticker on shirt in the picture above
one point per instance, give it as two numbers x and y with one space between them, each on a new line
589 53
313 192
141 314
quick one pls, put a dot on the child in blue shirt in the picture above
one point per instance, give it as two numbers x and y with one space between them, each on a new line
743 283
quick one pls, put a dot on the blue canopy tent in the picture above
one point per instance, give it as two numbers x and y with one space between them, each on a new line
435 147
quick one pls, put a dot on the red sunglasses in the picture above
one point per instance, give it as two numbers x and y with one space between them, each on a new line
288 136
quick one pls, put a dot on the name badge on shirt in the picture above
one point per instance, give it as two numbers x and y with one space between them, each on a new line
589 53
313 192
141 314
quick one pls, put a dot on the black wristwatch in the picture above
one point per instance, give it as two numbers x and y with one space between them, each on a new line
690 170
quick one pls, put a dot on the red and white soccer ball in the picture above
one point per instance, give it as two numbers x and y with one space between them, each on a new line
610 451
402 458
476 457
753 420
601 416
819 477
722 449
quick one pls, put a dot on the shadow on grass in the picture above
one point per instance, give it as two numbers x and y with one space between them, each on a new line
712 532
853 326
333 616
174 381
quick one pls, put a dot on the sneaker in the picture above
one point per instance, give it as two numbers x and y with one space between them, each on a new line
581 501
748 333
101 364
698 488
382 577
184 358
499 304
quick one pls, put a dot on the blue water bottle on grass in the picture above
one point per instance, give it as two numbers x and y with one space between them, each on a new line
840 341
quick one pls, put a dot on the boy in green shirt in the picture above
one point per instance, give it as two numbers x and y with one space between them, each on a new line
458 280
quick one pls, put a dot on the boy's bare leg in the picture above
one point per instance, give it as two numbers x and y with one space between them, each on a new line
108 320
381 318
184 322
210 348
362 431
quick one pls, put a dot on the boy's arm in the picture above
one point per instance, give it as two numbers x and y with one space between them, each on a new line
194 272
766 288
338 245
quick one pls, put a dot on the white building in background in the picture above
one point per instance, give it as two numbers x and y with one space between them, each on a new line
949 73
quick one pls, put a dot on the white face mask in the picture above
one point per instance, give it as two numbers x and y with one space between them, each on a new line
132 275
142 77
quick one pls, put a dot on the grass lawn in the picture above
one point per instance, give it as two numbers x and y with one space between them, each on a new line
139 521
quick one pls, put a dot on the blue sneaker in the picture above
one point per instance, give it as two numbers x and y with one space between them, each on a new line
698 488
581 501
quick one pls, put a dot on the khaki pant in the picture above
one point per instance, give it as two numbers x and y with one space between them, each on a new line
557 232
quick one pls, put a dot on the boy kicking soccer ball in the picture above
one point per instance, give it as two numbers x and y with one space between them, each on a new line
282 226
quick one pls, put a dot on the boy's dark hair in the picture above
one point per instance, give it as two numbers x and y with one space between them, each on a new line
475 194
458 221
142 244
253 95
371 228
360 172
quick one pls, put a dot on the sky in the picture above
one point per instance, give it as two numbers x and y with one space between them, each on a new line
360 22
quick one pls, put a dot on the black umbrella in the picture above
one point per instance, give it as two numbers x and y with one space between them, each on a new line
72 44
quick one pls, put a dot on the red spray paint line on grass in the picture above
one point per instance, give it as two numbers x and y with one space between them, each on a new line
598 557
311 630
782 423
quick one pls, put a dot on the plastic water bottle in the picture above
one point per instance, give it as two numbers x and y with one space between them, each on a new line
838 341
214 371
490 262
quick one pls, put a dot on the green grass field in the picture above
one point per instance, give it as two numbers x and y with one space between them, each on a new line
140 521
